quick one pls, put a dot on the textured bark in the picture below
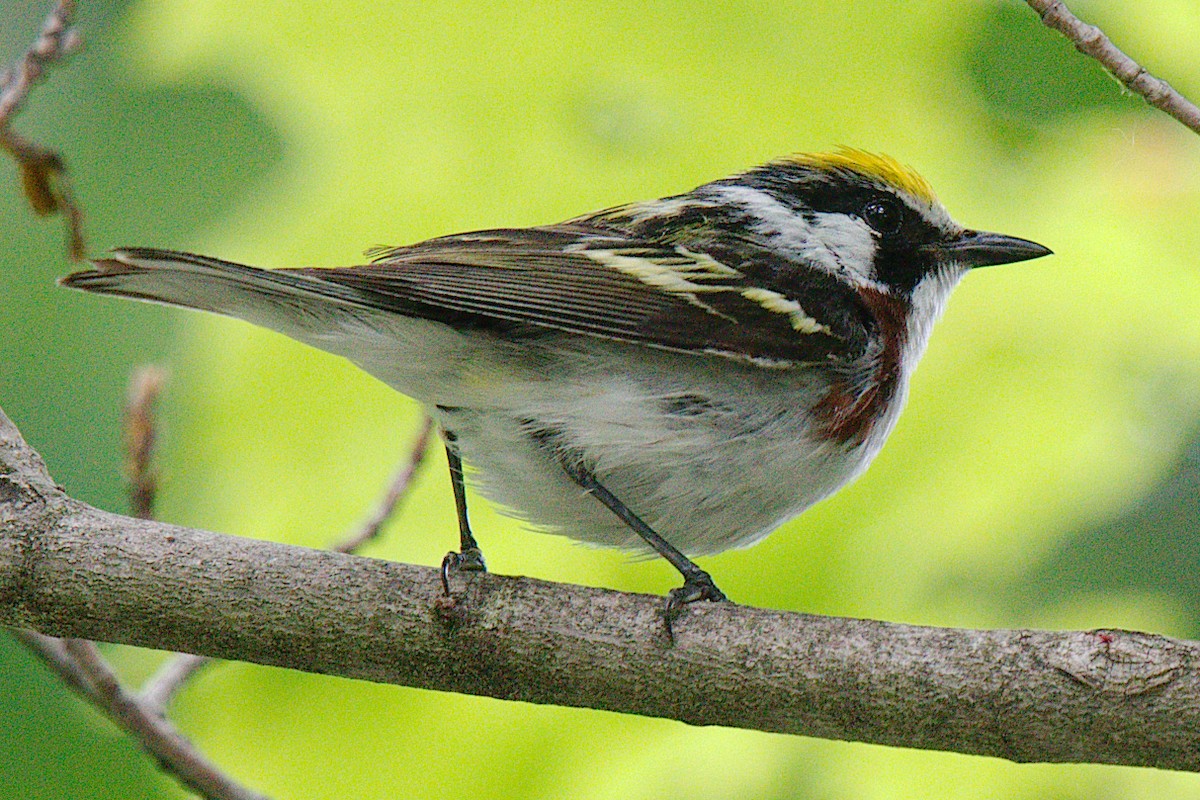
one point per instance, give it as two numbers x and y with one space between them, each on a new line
67 569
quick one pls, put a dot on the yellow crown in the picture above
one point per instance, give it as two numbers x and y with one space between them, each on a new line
872 165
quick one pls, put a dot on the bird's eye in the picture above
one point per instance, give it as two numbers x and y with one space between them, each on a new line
884 215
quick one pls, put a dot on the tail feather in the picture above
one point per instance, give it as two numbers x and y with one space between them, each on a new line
209 284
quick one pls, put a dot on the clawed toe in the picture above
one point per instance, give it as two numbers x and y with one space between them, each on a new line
697 586
469 560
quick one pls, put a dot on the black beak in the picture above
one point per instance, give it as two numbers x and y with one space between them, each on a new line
982 249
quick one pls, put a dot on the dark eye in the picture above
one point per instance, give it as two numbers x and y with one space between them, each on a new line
884 215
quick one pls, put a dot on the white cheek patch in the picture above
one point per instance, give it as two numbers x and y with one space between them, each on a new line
849 242
836 243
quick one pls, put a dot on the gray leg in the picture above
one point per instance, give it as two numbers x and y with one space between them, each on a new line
469 557
697 584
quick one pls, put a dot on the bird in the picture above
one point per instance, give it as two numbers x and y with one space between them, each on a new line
678 376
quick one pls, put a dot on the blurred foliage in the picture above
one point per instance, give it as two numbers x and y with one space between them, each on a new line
1142 549
1042 475
1027 79
146 161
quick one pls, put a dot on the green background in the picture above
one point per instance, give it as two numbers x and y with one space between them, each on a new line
1046 473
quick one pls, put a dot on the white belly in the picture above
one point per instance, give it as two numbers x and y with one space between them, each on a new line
710 453
711 458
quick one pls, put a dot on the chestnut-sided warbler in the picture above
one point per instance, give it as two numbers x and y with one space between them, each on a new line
681 375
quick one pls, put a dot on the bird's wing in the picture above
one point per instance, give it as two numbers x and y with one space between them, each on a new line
734 301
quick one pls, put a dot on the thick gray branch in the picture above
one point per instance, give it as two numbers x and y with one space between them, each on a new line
67 569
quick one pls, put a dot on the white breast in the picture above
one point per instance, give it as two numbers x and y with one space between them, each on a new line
707 475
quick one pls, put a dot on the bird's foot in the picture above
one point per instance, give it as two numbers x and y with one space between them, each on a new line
697 586
469 560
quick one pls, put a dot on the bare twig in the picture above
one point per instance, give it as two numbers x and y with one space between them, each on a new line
162 687
1091 41
54 653
141 435
154 732
43 173
56 40
396 493
81 667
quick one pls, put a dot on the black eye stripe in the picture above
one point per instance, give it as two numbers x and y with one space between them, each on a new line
901 229
811 194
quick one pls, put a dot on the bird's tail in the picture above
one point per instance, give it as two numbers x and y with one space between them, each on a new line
278 299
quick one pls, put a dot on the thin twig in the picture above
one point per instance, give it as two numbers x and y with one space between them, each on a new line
1091 41
160 689
396 492
43 173
52 651
56 41
141 435
165 684
81 666
155 733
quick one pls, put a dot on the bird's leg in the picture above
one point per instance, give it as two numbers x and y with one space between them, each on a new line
697 584
469 557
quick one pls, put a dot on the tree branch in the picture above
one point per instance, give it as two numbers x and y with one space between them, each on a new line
162 687
67 569
1091 41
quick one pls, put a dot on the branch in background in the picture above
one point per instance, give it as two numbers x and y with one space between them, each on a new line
67 569
162 739
43 174
54 653
140 437
397 491
80 664
1091 41
170 678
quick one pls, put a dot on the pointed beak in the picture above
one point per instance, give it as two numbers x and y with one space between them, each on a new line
982 249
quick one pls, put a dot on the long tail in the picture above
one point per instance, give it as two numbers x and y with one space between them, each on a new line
279 299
